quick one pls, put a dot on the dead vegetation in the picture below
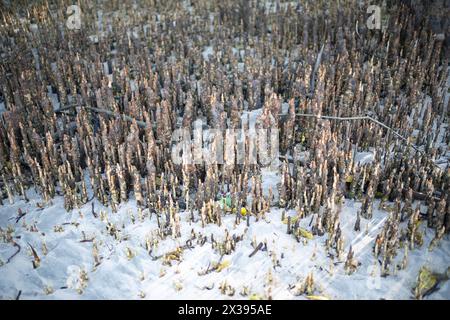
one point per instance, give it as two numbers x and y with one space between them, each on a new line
90 114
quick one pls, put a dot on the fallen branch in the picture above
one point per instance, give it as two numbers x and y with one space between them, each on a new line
433 289
314 72
76 224
21 215
259 247
87 240
146 125
107 112
15 253
310 115
93 211
210 287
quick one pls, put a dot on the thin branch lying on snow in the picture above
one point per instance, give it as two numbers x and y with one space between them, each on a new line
20 215
15 253
87 240
107 112
207 287
93 210
145 125
310 115
259 247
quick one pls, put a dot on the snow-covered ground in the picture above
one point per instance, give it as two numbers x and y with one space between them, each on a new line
126 270
80 259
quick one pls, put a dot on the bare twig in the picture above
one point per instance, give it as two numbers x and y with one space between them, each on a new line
310 115
259 247
15 253
87 240
314 72
93 211
20 216
146 125
210 287
107 112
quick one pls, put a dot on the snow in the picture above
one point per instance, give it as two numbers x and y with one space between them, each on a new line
53 97
93 38
363 158
121 277
250 117
208 51
133 85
